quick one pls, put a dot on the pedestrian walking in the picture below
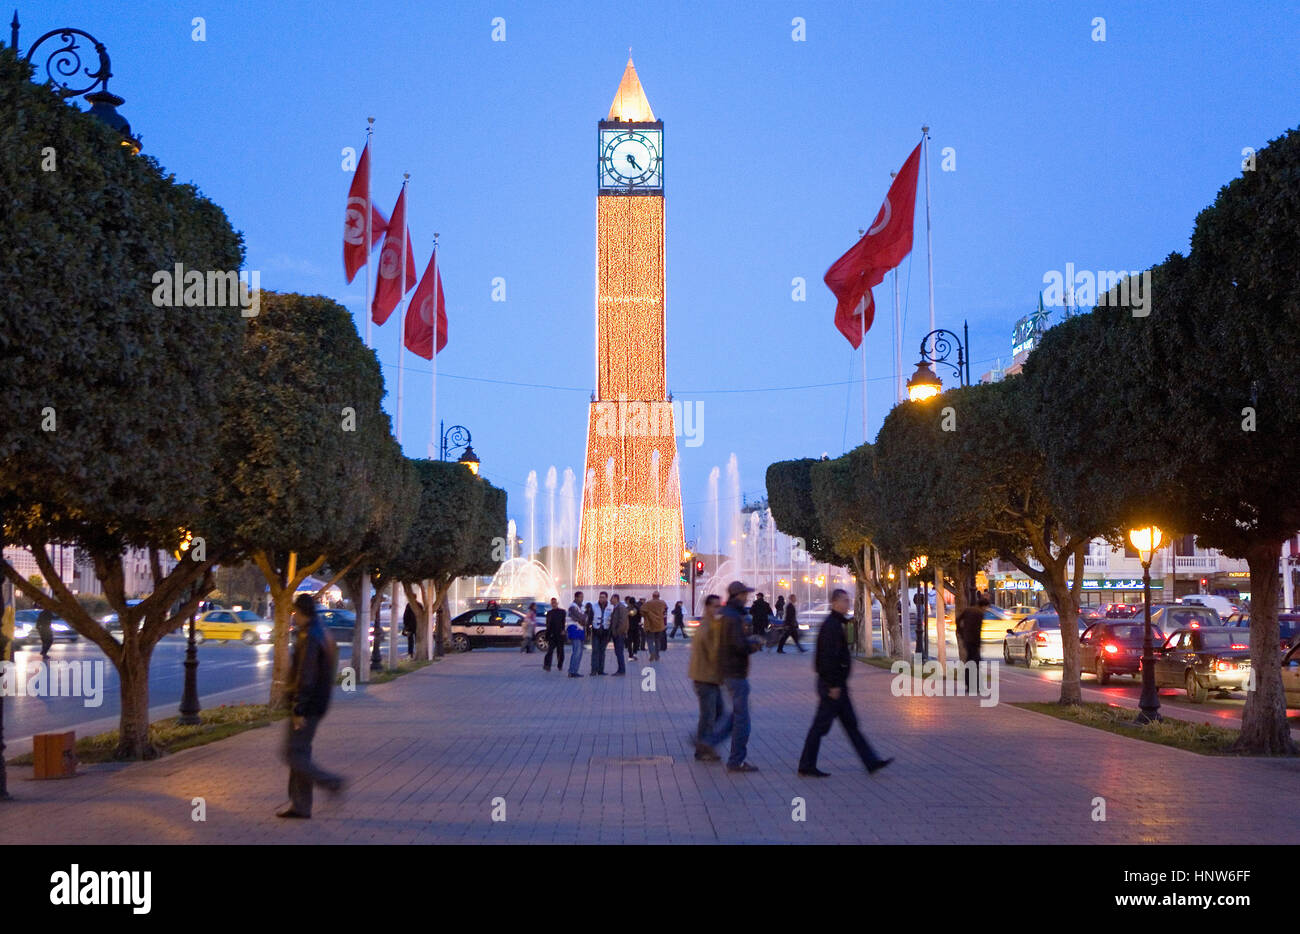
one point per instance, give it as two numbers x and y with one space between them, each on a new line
45 629
705 671
833 662
922 624
409 626
576 631
678 616
555 636
312 669
969 623
654 617
529 627
634 623
737 646
778 611
760 611
791 628
619 623
600 633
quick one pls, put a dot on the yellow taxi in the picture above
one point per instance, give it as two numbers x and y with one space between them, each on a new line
1019 612
224 625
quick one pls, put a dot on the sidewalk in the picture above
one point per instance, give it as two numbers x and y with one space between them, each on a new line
599 760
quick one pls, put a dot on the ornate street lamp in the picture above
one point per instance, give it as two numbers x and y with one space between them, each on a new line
915 567
189 710
64 68
1146 541
455 438
470 460
936 348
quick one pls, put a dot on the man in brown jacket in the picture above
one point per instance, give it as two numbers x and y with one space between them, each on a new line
706 671
618 625
654 617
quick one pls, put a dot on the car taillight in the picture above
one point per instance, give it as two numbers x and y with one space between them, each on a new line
1041 638
1110 647
1224 666
1239 646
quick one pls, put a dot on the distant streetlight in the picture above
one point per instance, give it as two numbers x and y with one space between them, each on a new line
1146 540
936 347
189 709
455 438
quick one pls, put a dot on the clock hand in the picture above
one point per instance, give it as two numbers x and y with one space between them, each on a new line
631 160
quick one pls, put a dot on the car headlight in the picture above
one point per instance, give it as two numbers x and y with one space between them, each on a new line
108 617
22 630
263 630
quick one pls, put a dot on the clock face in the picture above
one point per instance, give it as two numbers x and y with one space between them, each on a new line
631 159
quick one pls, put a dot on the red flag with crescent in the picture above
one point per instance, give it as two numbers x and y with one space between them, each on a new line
355 249
881 248
420 316
388 292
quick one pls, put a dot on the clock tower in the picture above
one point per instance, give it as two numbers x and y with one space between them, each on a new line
631 525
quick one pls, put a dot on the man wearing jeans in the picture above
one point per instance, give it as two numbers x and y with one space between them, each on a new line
737 646
618 628
600 633
706 672
576 631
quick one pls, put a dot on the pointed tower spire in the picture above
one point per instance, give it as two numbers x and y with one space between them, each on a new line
630 104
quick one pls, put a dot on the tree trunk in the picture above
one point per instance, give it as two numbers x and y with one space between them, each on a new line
1264 729
133 723
1065 598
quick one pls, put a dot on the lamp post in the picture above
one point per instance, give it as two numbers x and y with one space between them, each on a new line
455 438
916 566
189 710
1146 541
6 639
63 67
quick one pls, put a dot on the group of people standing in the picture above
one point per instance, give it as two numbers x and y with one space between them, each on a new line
628 624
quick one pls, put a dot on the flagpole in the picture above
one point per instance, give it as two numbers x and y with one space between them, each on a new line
433 406
862 347
401 319
898 331
370 210
929 246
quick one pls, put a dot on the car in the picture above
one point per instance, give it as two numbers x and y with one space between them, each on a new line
1288 625
1091 613
25 632
1203 659
1291 676
1035 639
492 626
341 625
1114 647
1121 610
1169 617
110 621
1222 605
224 625
1020 611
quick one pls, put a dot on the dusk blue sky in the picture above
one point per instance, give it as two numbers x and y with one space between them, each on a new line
1067 150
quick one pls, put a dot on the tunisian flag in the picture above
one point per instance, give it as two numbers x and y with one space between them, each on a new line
881 248
419 318
355 249
388 292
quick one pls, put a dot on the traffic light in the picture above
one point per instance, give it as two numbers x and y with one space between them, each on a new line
685 572
699 568
1204 581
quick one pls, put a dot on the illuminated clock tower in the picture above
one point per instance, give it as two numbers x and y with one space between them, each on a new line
631 531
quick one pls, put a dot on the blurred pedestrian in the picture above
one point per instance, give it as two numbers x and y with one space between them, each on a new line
833 663
312 669
969 623
45 629
705 671
409 626
654 617
529 627
635 633
618 628
555 636
760 611
678 616
576 631
791 628
737 646
779 610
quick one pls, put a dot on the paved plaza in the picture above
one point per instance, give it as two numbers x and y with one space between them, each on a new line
435 755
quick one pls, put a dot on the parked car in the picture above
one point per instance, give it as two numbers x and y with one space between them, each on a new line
1203 659
1114 647
25 632
341 625
1288 624
1222 605
1033 640
489 627
224 625
1169 617
1121 610
1291 676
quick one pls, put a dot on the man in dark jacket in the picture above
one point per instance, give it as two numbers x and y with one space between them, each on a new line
737 646
409 625
555 635
311 679
832 663
791 630
969 623
45 629
761 611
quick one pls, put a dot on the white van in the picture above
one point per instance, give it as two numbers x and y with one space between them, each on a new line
1222 605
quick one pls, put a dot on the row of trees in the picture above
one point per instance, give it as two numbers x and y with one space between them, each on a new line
1183 417
128 425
